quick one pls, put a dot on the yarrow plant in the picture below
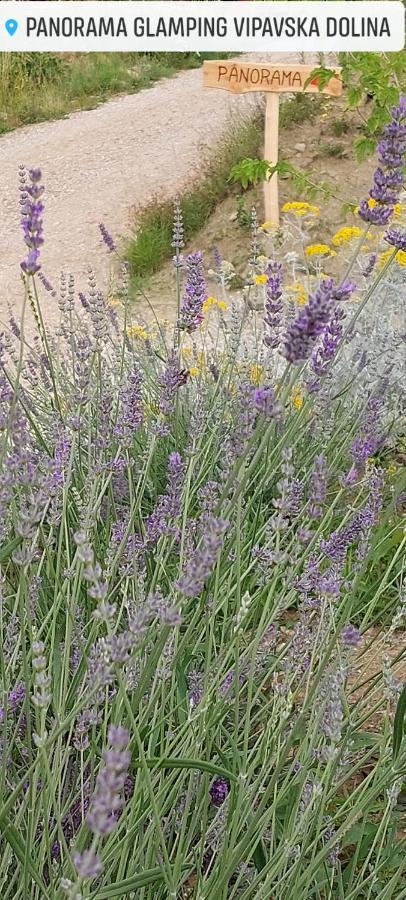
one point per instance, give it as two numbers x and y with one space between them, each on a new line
203 583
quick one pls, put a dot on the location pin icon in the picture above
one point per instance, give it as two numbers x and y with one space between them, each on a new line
11 26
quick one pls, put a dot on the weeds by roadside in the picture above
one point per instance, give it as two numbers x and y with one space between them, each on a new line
152 244
35 87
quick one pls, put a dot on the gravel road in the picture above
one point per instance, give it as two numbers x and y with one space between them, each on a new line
100 165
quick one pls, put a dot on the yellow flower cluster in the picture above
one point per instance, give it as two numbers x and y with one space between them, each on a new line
345 234
300 208
319 250
400 258
212 301
297 396
256 374
261 279
299 291
115 301
194 370
138 331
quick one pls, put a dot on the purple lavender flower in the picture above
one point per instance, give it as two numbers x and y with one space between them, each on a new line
170 381
307 796
15 699
370 265
195 688
325 351
191 311
329 583
16 696
235 444
131 412
333 855
31 222
219 791
88 864
265 402
229 682
351 636
301 335
107 801
397 238
208 496
107 238
47 284
178 236
368 442
361 449
161 522
376 215
202 562
217 258
15 328
388 177
273 304
56 466
164 610
359 526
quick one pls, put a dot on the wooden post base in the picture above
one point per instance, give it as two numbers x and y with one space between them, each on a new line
271 155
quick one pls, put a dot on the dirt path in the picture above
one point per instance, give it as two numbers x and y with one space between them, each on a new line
101 164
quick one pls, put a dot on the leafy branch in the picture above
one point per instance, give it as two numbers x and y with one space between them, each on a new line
250 172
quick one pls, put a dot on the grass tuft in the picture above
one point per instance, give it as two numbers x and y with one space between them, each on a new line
151 245
37 87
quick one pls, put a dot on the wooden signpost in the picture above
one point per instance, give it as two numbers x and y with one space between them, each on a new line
242 78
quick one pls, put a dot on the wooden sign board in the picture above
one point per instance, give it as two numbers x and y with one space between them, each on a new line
242 78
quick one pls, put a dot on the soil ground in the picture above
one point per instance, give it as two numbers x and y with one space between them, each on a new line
324 155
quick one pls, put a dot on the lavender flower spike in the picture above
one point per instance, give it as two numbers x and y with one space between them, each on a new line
273 304
178 237
388 177
191 314
219 791
107 800
88 864
202 562
326 349
351 636
171 379
397 238
131 413
301 335
163 517
265 402
31 221
107 238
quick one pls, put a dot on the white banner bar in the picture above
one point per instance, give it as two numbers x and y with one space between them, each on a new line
208 26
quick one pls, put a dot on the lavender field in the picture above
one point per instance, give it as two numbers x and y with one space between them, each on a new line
203 575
